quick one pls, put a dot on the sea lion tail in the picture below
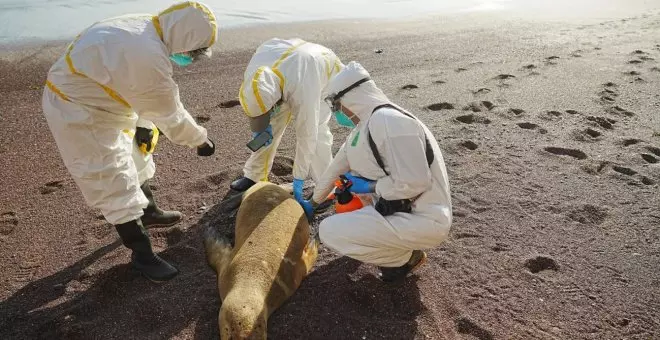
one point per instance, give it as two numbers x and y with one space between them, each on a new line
218 251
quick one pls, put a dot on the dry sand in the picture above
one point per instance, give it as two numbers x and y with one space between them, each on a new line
551 135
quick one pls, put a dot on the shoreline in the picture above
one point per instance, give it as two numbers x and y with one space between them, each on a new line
370 26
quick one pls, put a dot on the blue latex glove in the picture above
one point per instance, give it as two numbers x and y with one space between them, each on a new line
309 209
269 129
360 185
298 190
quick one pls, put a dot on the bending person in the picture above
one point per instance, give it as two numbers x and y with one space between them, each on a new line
284 82
115 79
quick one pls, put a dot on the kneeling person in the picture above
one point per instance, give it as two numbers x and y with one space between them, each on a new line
393 156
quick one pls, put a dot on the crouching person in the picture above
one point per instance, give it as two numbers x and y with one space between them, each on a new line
393 156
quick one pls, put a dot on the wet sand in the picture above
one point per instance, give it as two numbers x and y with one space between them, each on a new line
551 135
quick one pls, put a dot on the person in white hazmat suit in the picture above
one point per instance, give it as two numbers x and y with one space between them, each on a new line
102 99
284 82
410 190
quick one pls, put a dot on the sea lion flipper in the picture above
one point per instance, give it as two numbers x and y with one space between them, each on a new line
218 252
310 253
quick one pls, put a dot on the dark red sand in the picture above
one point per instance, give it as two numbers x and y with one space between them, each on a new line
555 196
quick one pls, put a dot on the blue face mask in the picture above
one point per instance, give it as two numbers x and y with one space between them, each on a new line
181 59
343 120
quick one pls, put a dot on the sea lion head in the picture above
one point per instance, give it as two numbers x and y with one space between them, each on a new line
243 315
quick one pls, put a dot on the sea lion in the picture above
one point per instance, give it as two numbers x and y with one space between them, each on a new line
273 252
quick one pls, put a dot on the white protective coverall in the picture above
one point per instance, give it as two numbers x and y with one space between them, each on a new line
297 72
114 76
365 234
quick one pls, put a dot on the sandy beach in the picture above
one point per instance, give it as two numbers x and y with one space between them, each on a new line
551 136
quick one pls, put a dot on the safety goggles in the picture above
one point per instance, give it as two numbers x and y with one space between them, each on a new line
333 100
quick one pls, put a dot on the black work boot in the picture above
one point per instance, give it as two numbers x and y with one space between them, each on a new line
393 274
242 184
155 217
143 259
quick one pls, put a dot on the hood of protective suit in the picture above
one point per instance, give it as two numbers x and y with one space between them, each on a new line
261 92
187 26
361 100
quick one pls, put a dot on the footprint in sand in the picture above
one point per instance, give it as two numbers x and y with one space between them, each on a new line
479 106
470 145
527 126
630 141
529 67
471 119
617 110
167 237
646 58
605 99
552 60
577 54
654 150
541 263
27 268
282 166
469 327
498 247
638 52
51 187
649 158
635 61
605 123
440 106
551 115
409 87
504 76
589 214
610 84
632 73
8 223
575 153
624 170
229 103
202 119
481 91
609 93
517 112
572 112
655 69
439 82
647 181
587 135
460 69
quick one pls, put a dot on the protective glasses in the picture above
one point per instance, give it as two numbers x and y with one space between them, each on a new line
333 99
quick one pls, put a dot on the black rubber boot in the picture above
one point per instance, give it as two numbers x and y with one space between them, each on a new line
155 217
393 274
143 259
242 184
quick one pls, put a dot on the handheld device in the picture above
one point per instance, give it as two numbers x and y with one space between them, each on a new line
259 141
345 200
